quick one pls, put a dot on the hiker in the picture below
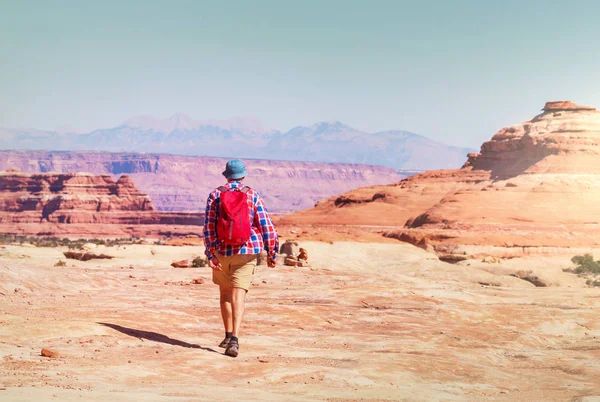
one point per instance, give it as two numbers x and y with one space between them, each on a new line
237 228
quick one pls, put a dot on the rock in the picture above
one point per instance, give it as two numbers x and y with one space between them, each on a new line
290 247
189 240
303 255
490 260
300 261
505 197
303 258
49 353
180 283
261 259
89 246
181 264
195 176
85 256
80 203
198 281
564 106
529 277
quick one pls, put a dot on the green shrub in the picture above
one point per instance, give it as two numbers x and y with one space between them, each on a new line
199 262
60 263
73 244
587 268
585 265
593 283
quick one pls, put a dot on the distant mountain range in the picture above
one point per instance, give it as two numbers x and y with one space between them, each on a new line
248 138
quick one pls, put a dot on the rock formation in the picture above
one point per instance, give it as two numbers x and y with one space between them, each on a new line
182 183
533 186
78 203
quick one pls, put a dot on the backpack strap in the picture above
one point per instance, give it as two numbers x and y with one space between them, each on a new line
243 189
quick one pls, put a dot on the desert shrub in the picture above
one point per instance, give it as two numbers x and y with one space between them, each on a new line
586 267
72 244
593 283
585 264
60 263
199 262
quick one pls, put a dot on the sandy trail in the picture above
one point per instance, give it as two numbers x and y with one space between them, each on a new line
368 322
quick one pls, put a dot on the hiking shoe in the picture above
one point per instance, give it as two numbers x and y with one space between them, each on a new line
233 349
224 343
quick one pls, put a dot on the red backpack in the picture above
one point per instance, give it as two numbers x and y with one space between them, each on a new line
233 223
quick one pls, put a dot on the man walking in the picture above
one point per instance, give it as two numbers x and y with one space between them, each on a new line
237 228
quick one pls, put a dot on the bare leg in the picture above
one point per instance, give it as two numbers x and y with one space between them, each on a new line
238 298
226 311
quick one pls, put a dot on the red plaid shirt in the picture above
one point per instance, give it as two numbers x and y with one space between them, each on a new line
262 237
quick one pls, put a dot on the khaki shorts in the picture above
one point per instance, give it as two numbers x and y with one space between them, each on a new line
237 271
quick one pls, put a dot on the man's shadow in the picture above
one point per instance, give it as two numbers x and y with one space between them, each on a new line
154 336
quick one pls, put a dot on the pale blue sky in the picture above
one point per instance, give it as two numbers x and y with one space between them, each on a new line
455 71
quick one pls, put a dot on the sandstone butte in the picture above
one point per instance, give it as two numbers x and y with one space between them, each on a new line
82 205
533 188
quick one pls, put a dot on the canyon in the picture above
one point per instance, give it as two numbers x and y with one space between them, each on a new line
182 183
484 328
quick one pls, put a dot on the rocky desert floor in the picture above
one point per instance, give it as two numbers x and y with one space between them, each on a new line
367 322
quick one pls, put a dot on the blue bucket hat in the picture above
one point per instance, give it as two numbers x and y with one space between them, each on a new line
235 169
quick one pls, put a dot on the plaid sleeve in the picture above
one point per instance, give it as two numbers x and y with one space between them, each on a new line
267 228
210 230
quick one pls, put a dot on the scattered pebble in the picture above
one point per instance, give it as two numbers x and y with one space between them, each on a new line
181 264
49 353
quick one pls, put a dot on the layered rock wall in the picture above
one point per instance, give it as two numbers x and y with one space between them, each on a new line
569 132
79 203
182 183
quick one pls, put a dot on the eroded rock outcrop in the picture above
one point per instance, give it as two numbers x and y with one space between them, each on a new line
534 185
78 203
182 183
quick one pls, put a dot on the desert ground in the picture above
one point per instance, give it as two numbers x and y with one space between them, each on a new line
366 322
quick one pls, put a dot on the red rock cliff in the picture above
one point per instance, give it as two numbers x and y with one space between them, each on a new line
77 203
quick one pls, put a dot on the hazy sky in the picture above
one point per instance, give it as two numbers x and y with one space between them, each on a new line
452 70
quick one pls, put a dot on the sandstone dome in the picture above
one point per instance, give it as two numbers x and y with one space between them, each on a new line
534 184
